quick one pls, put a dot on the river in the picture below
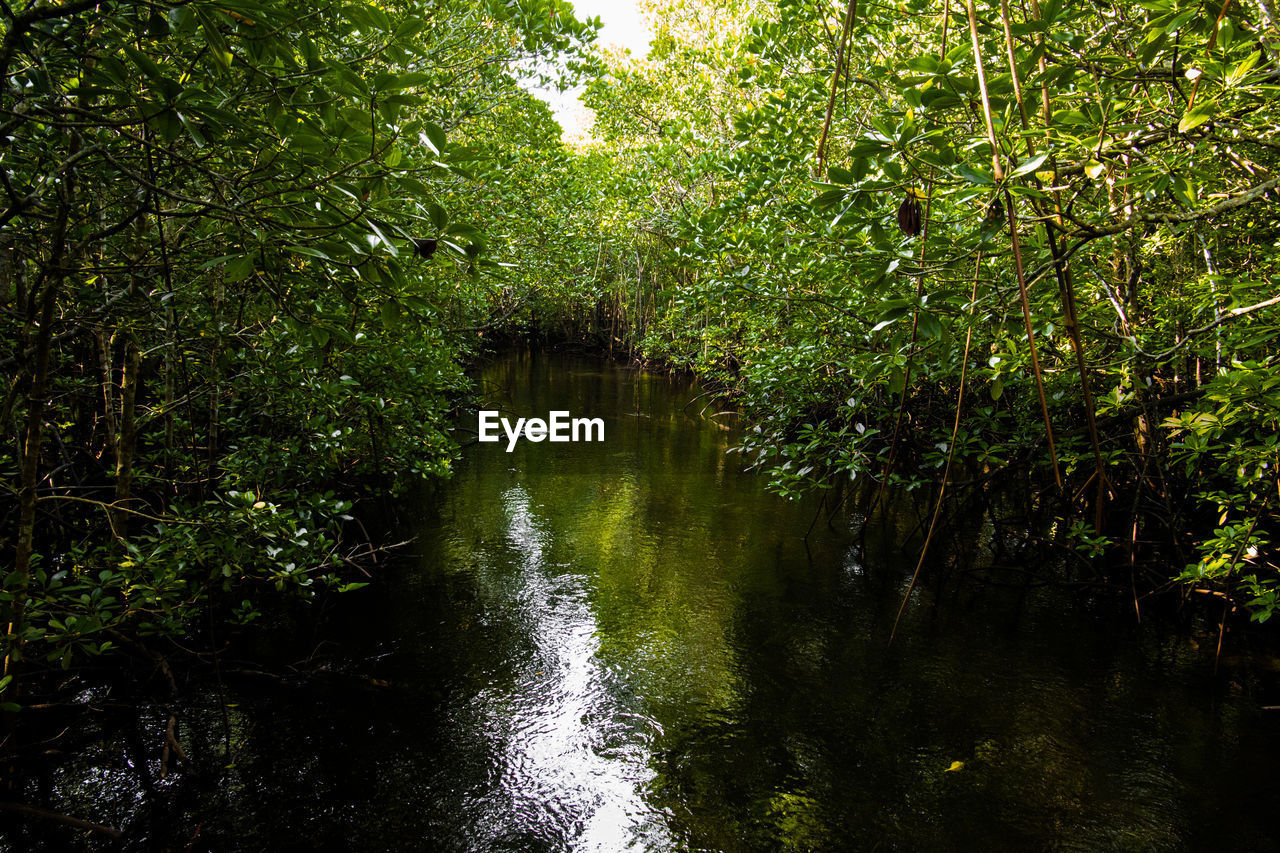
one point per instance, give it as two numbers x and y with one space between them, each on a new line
631 645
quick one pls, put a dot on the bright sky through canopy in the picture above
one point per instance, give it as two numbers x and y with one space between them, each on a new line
624 27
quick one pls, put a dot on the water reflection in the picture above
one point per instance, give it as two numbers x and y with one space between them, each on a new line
572 758
628 645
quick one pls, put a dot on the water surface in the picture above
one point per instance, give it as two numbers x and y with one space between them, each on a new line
630 645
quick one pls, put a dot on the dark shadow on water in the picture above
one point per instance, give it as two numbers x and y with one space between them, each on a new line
630 645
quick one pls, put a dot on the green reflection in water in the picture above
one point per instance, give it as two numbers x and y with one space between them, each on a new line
628 645
738 680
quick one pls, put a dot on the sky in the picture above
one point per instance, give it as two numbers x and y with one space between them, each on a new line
623 23
624 26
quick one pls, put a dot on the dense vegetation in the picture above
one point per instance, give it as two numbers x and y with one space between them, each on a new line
239 277
246 248
925 242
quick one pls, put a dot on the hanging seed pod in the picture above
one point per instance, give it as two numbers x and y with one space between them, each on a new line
995 211
909 214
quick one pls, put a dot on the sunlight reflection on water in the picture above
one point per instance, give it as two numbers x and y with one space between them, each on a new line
574 756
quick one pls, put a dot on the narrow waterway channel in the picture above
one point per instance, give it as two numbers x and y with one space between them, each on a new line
629 645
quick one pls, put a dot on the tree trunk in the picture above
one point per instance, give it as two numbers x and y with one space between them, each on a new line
37 398
127 445
111 425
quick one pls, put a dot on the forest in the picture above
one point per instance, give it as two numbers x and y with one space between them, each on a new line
252 252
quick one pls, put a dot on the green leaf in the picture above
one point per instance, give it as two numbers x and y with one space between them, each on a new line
218 261
1243 67
925 64
181 20
145 64
1179 20
158 25
390 315
192 130
307 250
1196 116
1028 191
438 216
1184 190
837 175
975 176
239 269
828 199
391 247
897 380
412 80
1029 166
435 137
213 38
462 230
